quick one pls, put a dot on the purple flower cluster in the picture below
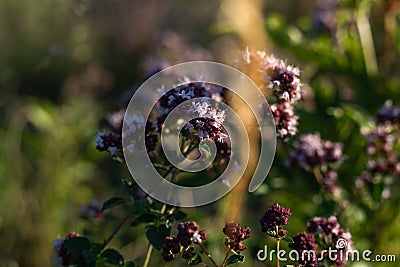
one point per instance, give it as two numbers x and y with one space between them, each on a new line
388 113
235 236
111 142
188 234
63 256
93 210
208 125
285 120
273 219
280 82
379 148
382 140
305 243
311 152
382 146
331 235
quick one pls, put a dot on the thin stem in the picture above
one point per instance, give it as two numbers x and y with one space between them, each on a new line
277 247
117 229
208 254
226 258
148 255
318 175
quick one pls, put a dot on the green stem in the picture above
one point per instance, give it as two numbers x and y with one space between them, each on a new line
208 254
318 175
277 247
117 229
150 247
148 255
226 258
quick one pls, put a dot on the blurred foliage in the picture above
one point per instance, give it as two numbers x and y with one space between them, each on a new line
64 65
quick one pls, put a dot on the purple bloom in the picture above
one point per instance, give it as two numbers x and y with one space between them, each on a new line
331 235
305 244
93 210
63 256
285 120
235 235
188 234
275 217
311 151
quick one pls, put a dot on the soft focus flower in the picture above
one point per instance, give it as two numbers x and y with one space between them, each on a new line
277 78
110 142
63 256
93 210
330 233
285 120
281 86
388 113
311 151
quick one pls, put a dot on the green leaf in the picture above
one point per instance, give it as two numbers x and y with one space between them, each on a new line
203 147
142 206
77 244
130 263
287 239
179 215
196 259
145 218
112 202
271 233
92 254
156 235
113 257
235 259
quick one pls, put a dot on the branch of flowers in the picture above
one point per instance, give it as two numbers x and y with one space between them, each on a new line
226 258
171 169
117 229
208 254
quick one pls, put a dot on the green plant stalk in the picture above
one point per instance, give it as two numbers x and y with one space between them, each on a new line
225 258
117 229
148 255
170 170
278 241
208 254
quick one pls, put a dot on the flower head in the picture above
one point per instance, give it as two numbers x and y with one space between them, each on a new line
280 84
235 235
285 120
311 151
93 210
275 217
305 244
63 256
329 232
188 234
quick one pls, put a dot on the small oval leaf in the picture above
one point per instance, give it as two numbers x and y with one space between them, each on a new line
112 202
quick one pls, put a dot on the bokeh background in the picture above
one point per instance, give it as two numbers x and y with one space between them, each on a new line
65 64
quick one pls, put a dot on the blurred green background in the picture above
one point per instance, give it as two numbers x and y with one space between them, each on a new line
64 65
